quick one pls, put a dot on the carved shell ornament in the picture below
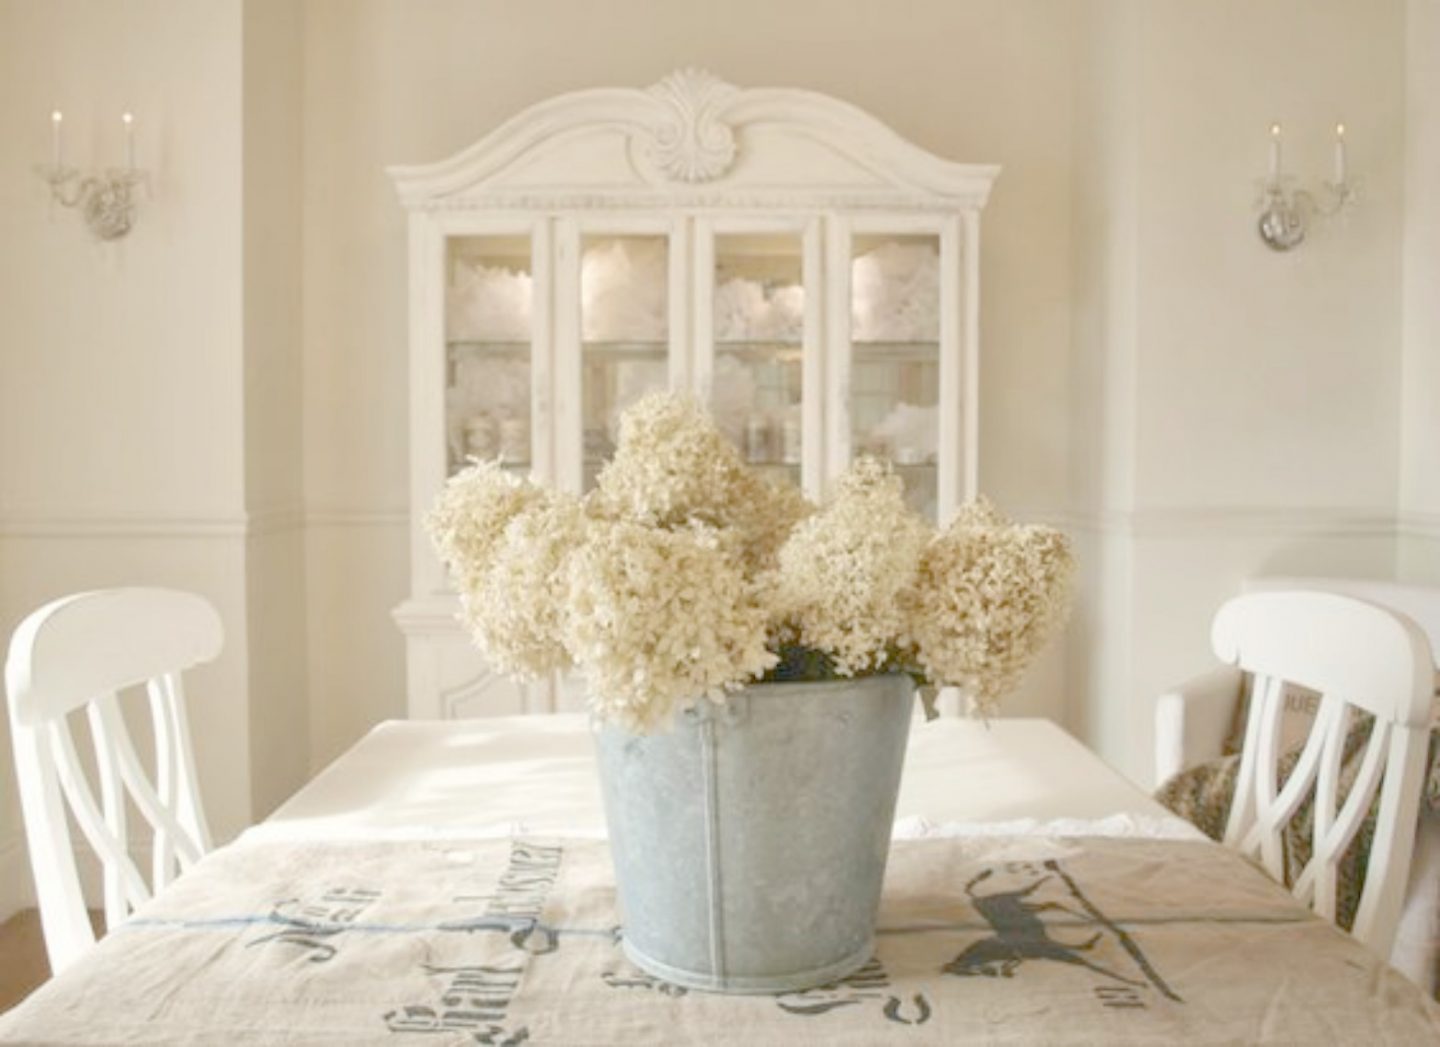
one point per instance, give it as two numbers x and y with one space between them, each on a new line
690 142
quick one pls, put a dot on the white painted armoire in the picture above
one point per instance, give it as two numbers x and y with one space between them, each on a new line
782 254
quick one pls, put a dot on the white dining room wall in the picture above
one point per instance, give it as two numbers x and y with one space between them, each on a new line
148 425
219 401
275 607
1237 408
1419 551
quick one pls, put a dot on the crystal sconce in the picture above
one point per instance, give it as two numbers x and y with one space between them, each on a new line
105 198
1284 213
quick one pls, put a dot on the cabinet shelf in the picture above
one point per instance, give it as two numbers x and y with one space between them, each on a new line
513 466
900 352
626 350
761 352
896 352
784 473
512 350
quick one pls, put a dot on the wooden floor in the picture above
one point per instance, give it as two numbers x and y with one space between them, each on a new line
22 957
23 966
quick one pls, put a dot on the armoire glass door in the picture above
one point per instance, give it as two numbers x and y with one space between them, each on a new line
894 381
489 298
624 287
758 323
758 350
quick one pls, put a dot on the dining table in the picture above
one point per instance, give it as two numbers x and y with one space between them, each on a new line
448 882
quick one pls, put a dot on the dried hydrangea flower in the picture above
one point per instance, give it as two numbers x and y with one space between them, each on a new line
673 466
842 571
515 611
658 619
654 586
988 595
471 514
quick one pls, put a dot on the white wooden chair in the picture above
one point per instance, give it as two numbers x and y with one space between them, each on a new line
81 651
1356 655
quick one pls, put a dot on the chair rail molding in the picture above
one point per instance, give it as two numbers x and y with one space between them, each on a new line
1413 524
351 518
158 525
1233 521
123 525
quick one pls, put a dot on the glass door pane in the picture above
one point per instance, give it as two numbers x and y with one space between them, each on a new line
895 362
624 334
759 336
488 295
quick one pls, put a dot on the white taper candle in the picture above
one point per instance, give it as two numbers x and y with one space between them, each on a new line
129 121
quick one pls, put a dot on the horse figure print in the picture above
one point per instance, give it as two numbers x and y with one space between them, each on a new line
1021 933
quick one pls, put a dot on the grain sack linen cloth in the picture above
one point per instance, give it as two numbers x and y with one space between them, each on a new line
995 940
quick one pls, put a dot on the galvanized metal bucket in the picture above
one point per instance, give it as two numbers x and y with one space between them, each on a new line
750 840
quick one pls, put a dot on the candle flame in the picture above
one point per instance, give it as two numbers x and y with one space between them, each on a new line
1274 130
129 118
1339 130
56 116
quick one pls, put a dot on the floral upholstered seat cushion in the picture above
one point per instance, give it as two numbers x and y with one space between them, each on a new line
1202 796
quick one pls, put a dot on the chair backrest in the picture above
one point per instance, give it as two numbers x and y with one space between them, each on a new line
80 652
1356 655
1420 603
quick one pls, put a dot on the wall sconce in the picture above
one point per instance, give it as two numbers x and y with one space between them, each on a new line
106 198
1284 212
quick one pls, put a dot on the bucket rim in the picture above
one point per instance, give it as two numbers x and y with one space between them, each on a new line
735 703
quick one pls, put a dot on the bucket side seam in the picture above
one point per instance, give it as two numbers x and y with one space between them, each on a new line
712 849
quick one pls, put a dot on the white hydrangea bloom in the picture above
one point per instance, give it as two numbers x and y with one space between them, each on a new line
515 610
842 571
659 619
471 514
666 584
988 595
672 466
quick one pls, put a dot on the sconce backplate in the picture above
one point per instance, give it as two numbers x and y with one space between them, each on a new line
1281 225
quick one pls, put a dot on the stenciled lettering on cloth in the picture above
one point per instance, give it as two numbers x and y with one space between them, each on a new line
478 998
313 924
475 999
519 898
870 982
499 941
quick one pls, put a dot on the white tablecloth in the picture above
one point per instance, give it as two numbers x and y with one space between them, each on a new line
411 779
